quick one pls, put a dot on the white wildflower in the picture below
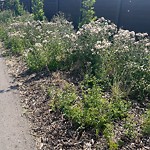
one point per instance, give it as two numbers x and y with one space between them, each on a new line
66 36
45 42
147 44
141 36
73 37
146 50
38 45
39 37
102 44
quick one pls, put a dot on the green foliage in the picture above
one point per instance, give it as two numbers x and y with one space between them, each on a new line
15 6
119 60
122 66
11 31
131 66
87 11
6 16
116 91
129 126
9 4
86 55
109 135
3 34
89 108
114 58
35 60
37 8
18 8
15 44
41 43
113 145
146 123
47 48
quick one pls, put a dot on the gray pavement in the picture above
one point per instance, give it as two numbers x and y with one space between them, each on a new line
14 129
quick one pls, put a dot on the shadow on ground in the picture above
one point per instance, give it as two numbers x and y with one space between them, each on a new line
9 89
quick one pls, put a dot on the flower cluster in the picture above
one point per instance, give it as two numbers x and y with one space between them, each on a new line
102 44
98 48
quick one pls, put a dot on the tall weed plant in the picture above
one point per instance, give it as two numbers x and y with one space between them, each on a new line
146 123
15 6
6 17
37 9
87 12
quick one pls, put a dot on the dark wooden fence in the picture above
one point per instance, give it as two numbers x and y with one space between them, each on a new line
128 14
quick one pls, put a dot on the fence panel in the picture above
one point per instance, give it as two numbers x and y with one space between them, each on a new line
27 4
108 9
135 15
50 8
128 14
71 8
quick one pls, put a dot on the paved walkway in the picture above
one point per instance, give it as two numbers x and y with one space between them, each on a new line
14 129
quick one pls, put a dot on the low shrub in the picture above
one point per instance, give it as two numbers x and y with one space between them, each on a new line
46 41
6 16
114 57
146 123
3 33
12 31
15 44
88 107
15 6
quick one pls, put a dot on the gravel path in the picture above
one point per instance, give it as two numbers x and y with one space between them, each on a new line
14 129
